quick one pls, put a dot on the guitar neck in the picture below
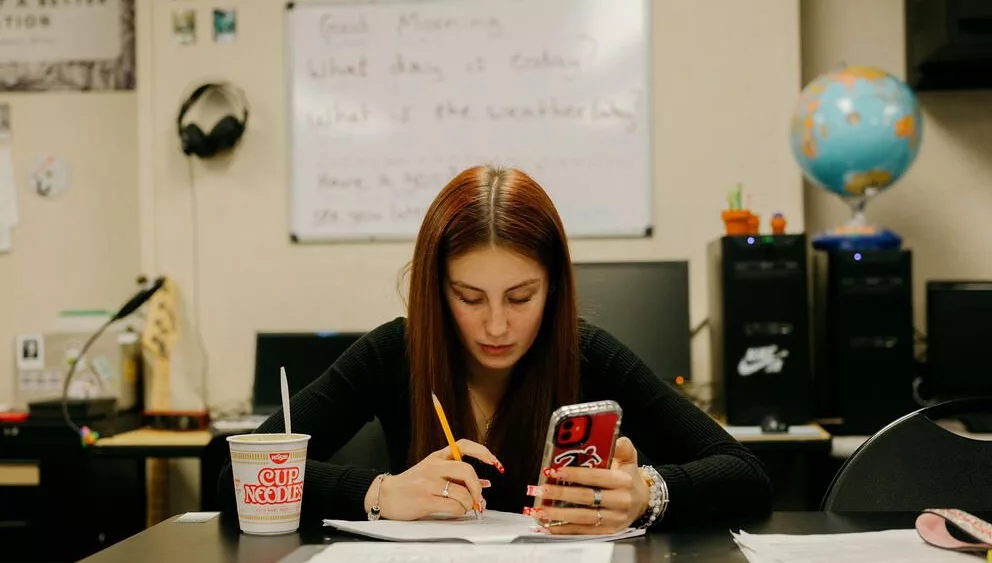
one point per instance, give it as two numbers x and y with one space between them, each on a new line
160 396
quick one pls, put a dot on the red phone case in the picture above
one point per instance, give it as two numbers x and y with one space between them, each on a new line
582 435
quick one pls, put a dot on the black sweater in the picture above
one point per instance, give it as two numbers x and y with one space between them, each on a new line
709 474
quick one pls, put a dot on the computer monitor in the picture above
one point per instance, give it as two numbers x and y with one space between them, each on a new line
958 337
305 355
645 305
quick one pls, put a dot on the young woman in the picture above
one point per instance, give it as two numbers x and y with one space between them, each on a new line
492 331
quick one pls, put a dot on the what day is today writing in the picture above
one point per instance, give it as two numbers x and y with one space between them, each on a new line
400 64
411 32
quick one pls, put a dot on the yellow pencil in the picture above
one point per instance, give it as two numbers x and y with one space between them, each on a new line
455 452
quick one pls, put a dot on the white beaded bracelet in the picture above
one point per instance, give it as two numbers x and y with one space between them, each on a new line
657 497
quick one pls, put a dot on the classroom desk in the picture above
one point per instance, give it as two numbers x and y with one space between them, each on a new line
791 460
135 447
804 438
148 442
219 540
787 455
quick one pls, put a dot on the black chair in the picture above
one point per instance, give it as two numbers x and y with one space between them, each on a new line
366 449
913 464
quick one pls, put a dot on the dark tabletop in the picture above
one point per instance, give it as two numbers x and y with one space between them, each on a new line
219 540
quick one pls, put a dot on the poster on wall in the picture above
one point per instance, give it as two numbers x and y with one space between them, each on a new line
66 45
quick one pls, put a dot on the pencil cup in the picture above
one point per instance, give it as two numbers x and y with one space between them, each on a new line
268 481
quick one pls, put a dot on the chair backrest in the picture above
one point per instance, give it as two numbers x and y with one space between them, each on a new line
914 463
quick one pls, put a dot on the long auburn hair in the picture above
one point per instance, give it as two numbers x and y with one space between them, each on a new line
505 207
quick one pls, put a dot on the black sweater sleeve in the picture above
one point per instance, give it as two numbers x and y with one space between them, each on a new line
331 410
710 475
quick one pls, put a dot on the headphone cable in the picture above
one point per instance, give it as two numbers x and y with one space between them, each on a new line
195 255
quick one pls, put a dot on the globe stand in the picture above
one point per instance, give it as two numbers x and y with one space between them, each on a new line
857 233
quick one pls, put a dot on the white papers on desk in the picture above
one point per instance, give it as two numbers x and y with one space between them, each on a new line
347 552
889 546
803 430
493 528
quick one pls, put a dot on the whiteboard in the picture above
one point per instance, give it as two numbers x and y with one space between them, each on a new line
389 101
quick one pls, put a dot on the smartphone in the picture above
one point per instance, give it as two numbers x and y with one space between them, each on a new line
582 435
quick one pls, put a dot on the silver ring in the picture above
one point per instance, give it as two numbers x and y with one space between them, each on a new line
599 517
444 492
597 498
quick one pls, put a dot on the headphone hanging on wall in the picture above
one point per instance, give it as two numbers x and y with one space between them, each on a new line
225 134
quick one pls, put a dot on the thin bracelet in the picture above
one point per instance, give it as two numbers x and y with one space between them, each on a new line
374 512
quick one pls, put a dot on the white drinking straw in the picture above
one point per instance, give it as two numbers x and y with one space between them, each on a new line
285 399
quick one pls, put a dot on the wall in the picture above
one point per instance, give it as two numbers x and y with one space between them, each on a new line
80 250
251 278
941 206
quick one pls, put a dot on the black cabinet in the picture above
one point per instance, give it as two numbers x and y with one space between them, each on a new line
58 502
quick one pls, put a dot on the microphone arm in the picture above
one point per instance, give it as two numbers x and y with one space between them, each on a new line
138 300
129 307
72 371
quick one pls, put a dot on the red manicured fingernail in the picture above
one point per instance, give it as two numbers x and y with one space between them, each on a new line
534 491
531 511
549 472
499 466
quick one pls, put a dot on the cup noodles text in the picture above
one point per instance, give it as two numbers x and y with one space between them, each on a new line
276 485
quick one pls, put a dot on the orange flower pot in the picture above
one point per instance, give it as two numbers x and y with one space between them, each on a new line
737 222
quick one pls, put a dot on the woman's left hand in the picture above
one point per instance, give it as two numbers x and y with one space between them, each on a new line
623 495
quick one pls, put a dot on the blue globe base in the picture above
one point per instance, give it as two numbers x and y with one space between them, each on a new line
844 238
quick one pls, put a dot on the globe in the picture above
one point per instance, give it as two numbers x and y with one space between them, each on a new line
855 129
855 132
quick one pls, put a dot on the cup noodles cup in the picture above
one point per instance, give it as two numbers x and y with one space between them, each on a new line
268 480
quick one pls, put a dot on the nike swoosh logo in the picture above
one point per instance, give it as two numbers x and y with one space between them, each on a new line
748 368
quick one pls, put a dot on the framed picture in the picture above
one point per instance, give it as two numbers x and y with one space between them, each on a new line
51 45
30 351
225 25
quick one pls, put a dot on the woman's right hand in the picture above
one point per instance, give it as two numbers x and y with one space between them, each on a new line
419 491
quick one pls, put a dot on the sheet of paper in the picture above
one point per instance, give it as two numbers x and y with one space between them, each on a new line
347 552
889 546
797 430
197 517
493 528
8 189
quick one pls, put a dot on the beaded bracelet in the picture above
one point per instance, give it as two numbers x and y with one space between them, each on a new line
657 497
375 512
